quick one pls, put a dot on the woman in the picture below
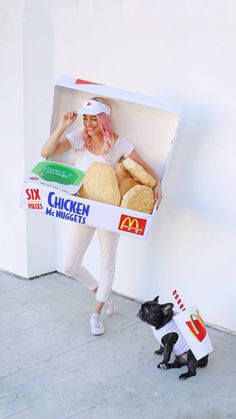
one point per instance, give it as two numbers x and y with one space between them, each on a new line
96 143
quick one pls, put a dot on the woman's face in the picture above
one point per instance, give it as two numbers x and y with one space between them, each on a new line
91 124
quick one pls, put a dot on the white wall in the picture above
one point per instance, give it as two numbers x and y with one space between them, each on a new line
27 241
182 51
13 230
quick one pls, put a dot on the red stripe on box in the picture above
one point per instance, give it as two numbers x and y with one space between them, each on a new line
79 81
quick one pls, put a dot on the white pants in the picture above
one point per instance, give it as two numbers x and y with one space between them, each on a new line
108 242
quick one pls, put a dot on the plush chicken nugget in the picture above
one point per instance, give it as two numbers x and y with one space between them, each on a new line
138 172
139 198
126 185
100 184
121 173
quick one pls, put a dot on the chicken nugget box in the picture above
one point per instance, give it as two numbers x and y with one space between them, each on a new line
51 188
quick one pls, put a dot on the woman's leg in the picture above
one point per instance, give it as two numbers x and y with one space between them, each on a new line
108 246
81 239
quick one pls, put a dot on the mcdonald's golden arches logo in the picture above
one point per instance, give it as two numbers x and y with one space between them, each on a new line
196 326
132 224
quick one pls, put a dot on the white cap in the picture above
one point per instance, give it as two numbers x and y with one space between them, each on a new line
93 107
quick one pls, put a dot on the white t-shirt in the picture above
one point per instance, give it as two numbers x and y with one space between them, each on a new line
84 157
181 346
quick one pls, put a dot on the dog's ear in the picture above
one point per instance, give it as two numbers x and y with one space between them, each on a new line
166 308
156 299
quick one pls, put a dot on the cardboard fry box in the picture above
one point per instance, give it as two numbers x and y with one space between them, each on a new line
151 127
194 331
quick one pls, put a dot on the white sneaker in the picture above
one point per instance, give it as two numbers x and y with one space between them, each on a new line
97 327
109 306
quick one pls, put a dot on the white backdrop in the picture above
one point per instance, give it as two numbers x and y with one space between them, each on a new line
182 51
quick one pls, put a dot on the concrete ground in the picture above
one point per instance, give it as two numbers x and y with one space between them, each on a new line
51 367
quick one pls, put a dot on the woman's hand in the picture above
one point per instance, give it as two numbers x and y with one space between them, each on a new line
158 193
56 143
67 119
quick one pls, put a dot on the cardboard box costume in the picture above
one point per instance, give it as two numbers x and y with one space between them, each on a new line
161 119
192 327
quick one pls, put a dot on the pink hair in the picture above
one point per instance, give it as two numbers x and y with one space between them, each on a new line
105 125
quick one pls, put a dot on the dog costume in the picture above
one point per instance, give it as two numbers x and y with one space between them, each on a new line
181 346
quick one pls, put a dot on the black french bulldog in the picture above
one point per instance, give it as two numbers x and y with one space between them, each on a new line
166 332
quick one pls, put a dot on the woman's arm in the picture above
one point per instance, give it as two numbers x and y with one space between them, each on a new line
57 144
157 190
